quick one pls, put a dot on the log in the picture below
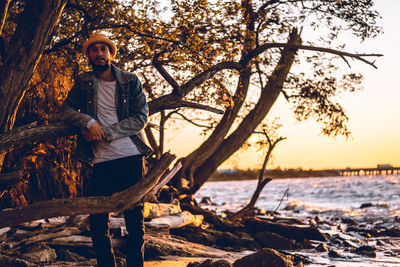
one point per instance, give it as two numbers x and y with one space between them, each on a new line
81 241
212 218
68 231
176 221
154 210
88 205
296 232
72 241
43 223
165 218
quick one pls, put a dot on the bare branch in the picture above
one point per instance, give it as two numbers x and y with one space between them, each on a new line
187 104
260 49
158 65
170 101
192 122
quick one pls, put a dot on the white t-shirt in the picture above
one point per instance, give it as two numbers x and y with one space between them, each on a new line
107 115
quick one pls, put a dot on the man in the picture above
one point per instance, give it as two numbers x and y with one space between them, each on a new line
109 106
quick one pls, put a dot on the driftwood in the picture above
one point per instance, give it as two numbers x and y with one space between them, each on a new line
211 217
74 241
46 235
154 210
176 221
298 233
62 207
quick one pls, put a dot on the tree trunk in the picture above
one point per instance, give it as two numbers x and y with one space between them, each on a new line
85 205
202 154
33 32
208 147
268 97
33 133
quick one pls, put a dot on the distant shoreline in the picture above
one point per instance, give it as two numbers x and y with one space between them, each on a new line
238 175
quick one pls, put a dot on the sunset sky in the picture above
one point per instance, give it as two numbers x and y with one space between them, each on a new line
374 115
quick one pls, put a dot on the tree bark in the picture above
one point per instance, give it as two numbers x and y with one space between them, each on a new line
33 32
67 207
208 147
33 133
268 97
3 13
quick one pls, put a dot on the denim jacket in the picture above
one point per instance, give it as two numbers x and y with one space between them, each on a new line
132 110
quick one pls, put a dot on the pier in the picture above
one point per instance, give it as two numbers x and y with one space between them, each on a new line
380 170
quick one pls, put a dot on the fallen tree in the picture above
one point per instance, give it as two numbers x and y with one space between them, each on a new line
83 205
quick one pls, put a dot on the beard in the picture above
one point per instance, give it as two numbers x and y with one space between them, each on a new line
100 67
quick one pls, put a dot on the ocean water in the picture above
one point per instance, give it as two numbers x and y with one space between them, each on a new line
369 200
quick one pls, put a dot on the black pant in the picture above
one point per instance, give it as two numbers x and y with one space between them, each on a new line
110 177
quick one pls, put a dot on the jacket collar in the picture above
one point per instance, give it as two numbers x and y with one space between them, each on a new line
121 76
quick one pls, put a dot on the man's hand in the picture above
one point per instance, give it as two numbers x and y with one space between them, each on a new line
95 133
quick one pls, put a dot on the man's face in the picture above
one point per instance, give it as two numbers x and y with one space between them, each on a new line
99 56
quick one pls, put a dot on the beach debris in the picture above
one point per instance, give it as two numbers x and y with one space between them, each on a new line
368 251
65 241
39 253
176 221
334 254
296 232
322 248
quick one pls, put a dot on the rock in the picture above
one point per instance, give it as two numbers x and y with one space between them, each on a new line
391 232
318 219
365 232
348 244
366 205
271 240
334 254
322 248
40 253
208 237
210 263
265 258
390 253
207 200
369 251
380 243
247 241
349 221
